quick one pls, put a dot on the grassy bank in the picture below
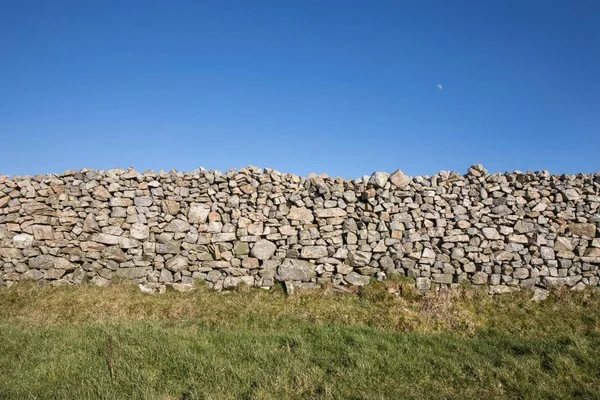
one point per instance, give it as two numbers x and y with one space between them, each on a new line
86 342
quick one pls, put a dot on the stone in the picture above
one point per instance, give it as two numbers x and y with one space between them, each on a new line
356 279
171 247
263 249
33 274
313 252
22 240
330 213
131 273
223 237
296 270
379 179
585 230
90 224
44 261
539 295
521 273
177 263
7 252
171 207
400 180
143 201
359 258
198 213
114 253
491 233
105 238
442 278
423 284
547 253
165 276
42 232
177 225
63 263
183 287
139 231
100 281
479 278
241 248
572 194
304 215
343 269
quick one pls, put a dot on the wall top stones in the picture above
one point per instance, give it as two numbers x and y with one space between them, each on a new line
259 226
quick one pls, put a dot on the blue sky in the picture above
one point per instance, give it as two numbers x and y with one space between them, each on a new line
342 87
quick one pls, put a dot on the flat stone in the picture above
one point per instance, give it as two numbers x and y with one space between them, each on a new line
330 213
177 225
132 273
456 238
356 279
223 237
491 233
586 230
22 240
44 261
128 243
171 247
42 232
314 252
572 194
143 201
296 270
105 238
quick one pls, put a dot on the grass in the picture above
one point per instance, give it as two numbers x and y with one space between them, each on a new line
117 343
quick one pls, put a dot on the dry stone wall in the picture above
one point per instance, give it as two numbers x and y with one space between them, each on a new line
260 227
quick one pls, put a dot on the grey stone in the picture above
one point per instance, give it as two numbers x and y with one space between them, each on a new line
359 258
177 263
263 249
379 179
132 273
296 270
356 279
177 225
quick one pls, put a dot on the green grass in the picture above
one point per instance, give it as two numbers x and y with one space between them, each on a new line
116 343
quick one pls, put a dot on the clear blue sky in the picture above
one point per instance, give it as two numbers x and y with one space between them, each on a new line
342 87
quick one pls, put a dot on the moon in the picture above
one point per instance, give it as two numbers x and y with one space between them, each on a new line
439 86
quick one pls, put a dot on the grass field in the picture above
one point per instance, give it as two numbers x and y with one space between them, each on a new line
117 343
